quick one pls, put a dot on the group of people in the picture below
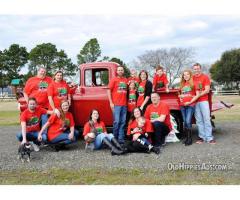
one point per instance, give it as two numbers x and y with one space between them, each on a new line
135 103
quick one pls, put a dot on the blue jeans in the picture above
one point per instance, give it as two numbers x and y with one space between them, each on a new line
63 138
44 119
203 121
187 113
32 136
99 139
119 114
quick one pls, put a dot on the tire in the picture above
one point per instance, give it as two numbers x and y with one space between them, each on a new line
178 118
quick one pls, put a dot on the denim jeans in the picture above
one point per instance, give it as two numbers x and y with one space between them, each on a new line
119 115
187 113
99 139
32 136
44 119
203 121
160 131
63 138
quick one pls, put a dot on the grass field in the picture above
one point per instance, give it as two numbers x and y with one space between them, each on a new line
114 177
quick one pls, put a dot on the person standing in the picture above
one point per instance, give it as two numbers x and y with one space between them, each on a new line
160 81
36 87
58 91
202 109
144 91
188 96
117 95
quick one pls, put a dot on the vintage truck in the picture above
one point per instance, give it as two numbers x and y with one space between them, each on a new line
90 93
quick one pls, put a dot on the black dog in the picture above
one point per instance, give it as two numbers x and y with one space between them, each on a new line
24 150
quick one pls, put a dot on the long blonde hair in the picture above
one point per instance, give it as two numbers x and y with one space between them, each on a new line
183 80
62 114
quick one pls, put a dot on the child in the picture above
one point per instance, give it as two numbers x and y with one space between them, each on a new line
134 77
139 134
132 98
160 81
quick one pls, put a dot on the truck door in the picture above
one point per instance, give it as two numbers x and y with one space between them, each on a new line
93 96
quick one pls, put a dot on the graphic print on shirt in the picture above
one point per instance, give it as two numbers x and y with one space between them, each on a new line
42 86
66 124
160 84
200 86
141 90
99 129
132 98
62 92
33 121
122 87
154 115
186 91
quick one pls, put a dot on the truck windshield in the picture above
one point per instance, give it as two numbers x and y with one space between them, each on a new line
96 77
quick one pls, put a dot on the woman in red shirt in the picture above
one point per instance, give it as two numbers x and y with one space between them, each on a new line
131 98
139 130
58 91
61 130
95 134
144 91
188 95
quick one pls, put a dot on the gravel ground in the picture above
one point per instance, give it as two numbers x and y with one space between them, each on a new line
226 151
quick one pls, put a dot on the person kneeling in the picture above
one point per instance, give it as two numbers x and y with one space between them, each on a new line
61 130
95 134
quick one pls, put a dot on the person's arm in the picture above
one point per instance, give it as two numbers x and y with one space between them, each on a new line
24 134
109 93
167 87
205 91
145 101
41 131
193 99
25 96
71 135
69 99
50 99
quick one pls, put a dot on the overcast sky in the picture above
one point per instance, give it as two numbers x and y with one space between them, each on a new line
124 36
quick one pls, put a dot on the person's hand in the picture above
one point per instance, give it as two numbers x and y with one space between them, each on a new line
70 136
23 141
141 107
187 103
69 102
136 136
39 137
135 130
167 90
112 106
57 112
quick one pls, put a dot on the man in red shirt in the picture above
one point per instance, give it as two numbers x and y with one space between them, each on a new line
202 110
159 115
37 87
30 123
117 95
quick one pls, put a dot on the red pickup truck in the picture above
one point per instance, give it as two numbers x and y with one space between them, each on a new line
91 92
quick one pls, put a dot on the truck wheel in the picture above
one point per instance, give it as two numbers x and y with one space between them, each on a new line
179 121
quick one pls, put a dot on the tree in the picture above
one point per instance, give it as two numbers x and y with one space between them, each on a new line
90 52
13 59
63 63
173 60
227 69
42 54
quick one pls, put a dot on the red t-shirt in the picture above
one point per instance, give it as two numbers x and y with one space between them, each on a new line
99 126
58 126
32 119
118 87
147 128
37 88
135 79
132 100
141 92
59 92
188 93
160 82
200 82
153 112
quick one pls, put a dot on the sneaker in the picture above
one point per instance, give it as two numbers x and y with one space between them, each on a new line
35 146
212 142
199 141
